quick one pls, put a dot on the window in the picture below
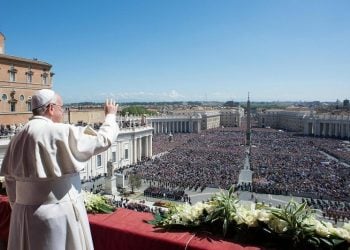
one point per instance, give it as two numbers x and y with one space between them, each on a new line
99 160
29 77
44 78
29 103
12 77
114 156
126 154
12 71
12 106
29 74
21 98
4 97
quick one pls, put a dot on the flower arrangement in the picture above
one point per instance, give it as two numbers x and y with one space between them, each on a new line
294 225
96 203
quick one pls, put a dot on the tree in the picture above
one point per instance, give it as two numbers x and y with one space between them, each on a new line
134 182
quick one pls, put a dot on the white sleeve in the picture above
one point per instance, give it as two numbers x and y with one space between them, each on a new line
84 142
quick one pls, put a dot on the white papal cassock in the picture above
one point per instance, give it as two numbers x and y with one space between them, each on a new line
41 169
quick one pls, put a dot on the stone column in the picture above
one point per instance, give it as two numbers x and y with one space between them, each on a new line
336 129
343 128
139 149
146 146
134 150
317 128
150 153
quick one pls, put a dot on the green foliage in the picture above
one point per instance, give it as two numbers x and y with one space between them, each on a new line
134 182
225 208
136 110
95 203
294 215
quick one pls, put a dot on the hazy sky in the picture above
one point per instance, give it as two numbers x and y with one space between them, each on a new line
171 50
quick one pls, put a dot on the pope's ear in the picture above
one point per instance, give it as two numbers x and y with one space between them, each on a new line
50 109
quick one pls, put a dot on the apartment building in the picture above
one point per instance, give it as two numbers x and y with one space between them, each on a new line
19 79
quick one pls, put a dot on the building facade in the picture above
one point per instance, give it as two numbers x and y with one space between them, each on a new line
322 125
81 116
131 146
210 119
19 79
231 117
290 120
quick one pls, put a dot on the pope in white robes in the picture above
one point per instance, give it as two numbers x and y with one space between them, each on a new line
41 169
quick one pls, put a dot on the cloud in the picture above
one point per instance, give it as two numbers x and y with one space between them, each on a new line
171 95
145 96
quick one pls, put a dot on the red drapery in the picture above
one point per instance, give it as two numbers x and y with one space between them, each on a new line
5 214
128 230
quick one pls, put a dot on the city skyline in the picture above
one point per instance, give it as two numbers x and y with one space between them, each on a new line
186 50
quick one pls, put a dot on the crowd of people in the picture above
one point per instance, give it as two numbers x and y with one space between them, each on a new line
10 130
139 206
339 149
282 163
332 210
295 165
212 158
165 193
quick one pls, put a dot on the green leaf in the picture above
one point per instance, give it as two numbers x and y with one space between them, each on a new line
224 227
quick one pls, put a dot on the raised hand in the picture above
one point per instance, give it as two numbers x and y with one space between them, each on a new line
111 107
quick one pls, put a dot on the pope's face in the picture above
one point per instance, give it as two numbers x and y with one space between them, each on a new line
58 110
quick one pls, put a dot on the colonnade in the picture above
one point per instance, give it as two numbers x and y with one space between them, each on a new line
171 125
328 126
165 127
142 147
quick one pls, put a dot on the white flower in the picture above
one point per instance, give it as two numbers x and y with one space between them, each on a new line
341 233
246 216
277 225
175 219
322 228
96 203
186 214
263 215
347 226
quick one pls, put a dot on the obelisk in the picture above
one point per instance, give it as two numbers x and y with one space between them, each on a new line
248 130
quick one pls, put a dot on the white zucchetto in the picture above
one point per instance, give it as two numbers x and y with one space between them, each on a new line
43 97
